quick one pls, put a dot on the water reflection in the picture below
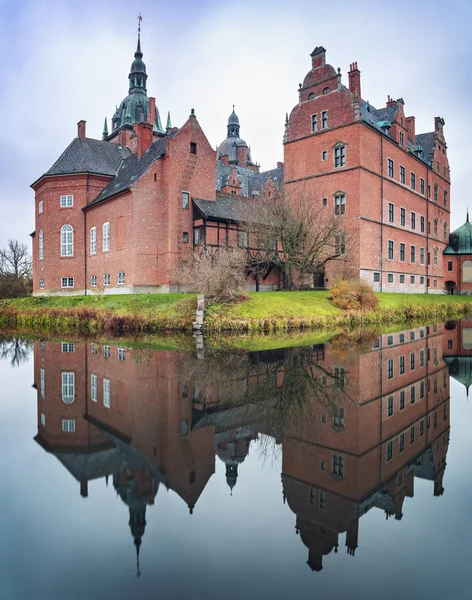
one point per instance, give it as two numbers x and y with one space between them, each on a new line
355 423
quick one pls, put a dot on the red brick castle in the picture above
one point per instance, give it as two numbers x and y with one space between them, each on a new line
122 214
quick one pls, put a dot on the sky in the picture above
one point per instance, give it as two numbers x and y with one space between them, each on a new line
63 61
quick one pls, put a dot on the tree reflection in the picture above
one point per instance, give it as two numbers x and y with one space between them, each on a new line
15 350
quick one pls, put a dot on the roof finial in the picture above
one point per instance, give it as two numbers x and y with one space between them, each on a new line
467 214
139 32
169 124
105 129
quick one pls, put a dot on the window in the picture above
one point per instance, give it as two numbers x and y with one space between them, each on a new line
340 204
234 193
421 186
340 156
391 212
324 155
93 280
193 148
325 202
326 90
390 406
402 139
242 239
412 435
421 427
413 181
389 451
402 365
311 496
121 278
438 168
391 168
106 393
323 465
435 283
93 240
402 217
413 220
445 197
412 254
412 361
402 278
449 265
106 351
402 174
197 237
41 284
41 244
184 428
42 387
390 368
402 338
390 278
435 256
421 256
106 279
67 201
93 348
67 282
412 394
390 249
93 387
445 230
340 243
324 119
314 123
121 354
185 200
429 191
338 465
66 347
402 399
435 192
401 442
311 96
68 387
106 237
402 252
339 422
376 277
40 207
68 425
67 241
390 340
412 336
322 500
339 378
422 388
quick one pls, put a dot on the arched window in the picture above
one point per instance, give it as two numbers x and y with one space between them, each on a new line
106 237
435 192
311 96
445 230
436 256
41 244
326 90
67 240
436 227
93 240
68 387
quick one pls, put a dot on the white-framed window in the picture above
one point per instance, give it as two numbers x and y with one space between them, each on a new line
68 425
340 204
66 347
40 207
93 348
185 200
93 240
121 278
389 451
242 239
339 156
106 351
314 123
42 383
93 387
41 244
67 201
324 119
43 419
68 387
67 282
67 240
338 465
93 280
324 155
197 236
106 393
121 354
391 167
41 284
106 237
106 279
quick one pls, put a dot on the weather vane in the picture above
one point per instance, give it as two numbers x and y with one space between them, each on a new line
139 22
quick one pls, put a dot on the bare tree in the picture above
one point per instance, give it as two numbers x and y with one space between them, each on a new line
15 260
16 350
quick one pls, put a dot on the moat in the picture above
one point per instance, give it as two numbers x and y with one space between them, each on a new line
336 471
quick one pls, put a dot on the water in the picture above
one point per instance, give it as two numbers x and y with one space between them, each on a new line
275 474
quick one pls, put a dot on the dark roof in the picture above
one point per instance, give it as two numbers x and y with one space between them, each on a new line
460 240
130 170
427 141
223 172
89 156
259 180
226 209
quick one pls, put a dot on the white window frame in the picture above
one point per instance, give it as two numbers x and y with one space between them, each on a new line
106 351
93 241
314 123
42 383
41 244
121 278
339 156
68 425
68 387
66 201
67 241
106 237
186 205
40 207
93 387
106 279
43 419
67 282
93 280
324 119
121 354
106 393
41 284
68 347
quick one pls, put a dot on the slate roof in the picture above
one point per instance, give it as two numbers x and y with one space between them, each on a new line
258 181
89 156
226 209
130 170
428 141
223 172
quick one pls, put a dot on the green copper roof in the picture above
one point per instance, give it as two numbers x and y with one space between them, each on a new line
460 240
460 367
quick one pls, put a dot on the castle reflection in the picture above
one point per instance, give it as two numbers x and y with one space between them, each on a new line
356 421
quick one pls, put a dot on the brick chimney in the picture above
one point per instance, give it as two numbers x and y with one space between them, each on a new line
242 154
391 102
410 125
144 133
122 138
280 165
355 80
152 111
438 125
81 130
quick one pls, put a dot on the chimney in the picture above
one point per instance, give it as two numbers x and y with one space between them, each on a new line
81 130
280 165
438 125
242 155
355 81
410 125
122 138
84 483
144 133
152 111
391 102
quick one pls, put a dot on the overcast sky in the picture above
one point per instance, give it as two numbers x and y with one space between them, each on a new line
63 61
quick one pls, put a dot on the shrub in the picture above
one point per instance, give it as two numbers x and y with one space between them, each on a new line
352 295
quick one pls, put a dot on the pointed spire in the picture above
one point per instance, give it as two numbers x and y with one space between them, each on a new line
105 129
137 543
138 49
467 214
168 124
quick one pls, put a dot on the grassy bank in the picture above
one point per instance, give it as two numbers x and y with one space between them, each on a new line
265 312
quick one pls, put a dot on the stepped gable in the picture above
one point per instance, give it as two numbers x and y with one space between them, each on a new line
258 181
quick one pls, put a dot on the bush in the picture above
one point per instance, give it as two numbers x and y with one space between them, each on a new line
352 295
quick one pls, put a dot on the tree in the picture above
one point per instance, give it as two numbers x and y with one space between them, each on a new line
15 260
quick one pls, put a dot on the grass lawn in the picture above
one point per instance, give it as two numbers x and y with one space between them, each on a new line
389 300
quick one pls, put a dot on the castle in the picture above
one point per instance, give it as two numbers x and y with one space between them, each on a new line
124 213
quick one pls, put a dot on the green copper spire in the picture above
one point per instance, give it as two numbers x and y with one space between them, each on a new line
157 123
105 129
169 124
137 76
